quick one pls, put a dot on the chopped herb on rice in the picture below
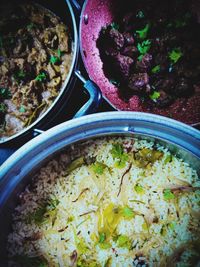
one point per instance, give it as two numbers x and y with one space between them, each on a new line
74 214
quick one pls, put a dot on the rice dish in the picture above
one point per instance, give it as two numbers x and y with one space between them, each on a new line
111 201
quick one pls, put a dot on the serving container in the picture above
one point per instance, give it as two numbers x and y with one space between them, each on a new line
15 173
62 9
98 14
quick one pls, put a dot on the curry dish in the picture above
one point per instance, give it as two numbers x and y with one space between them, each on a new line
35 58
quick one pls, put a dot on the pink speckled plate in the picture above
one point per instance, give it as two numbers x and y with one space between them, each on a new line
97 14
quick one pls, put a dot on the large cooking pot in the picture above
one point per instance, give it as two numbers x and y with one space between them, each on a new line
98 14
64 10
15 172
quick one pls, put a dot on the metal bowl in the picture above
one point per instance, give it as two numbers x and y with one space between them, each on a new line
181 139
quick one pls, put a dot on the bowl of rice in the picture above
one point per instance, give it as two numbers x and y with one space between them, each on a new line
111 189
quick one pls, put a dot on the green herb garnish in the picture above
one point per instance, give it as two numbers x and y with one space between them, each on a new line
143 33
144 47
22 109
102 237
30 26
168 195
168 159
19 75
98 167
114 26
155 95
3 108
156 69
41 77
5 93
139 189
140 57
172 225
175 55
118 153
128 213
123 241
38 216
56 59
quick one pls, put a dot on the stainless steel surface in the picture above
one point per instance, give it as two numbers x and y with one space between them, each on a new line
15 173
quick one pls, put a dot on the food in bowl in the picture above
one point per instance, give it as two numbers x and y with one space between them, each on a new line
111 201
35 59
152 50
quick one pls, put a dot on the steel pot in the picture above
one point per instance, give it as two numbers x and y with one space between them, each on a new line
98 14
15 172
64 10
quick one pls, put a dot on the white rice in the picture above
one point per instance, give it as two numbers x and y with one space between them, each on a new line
157 231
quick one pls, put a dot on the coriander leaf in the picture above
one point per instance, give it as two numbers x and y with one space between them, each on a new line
5 93
168 159
168 195
123 241
155 95
143 33
128 213
59 53
30 26
172 225
139 189
98 167
22 109
102 237
114 26
175 55
156 69
52 203
140 57
19 75
41 77
144 47
3 108
54 59
118 153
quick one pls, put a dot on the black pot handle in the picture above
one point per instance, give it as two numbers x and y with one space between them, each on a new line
95 97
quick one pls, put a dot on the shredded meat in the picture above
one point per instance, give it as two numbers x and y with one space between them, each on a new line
35 59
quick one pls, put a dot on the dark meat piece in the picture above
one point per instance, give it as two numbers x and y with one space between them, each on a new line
164 99
183 88
122 65
117 38
110 51
161 59
129 51
145 63
138 82
128 38
127 22
111 41
166 84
